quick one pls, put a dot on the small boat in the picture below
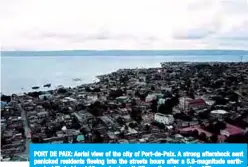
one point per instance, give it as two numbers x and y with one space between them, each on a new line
76 79
35 87
6 159
60 86
47 85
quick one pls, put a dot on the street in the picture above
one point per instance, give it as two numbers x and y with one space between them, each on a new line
27 132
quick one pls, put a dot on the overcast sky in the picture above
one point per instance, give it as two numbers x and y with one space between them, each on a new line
123 24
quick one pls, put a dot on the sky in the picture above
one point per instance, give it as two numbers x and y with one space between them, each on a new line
123 24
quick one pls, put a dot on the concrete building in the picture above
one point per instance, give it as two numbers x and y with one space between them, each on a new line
164 119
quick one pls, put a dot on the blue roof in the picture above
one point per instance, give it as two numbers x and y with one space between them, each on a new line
3 103
80 138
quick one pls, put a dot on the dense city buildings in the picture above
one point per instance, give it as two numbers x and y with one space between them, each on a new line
175 103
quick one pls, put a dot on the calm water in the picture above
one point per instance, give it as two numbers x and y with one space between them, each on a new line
20 73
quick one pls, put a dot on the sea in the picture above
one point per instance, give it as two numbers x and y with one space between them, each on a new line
21 70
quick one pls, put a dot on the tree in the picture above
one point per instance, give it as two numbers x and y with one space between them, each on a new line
48 132
166 108
124 79
221 125
62 91
154 105
219 100
190 93
75 124
123 105
175 99
159 125
35 94
36 139
133 125
135 114
133 103
96 108
45 98
147 127
143 96
65 140
120 120
122 135
46 105
162 108
214 138
239 138
137 93
195 133
87 89
97 89
6 98
182 116
233 97
97 137
3 141
204 114
203 136
113 94
21 130
213 128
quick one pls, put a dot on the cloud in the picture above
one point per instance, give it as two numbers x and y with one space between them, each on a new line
81 37
195 33
239 32
111 24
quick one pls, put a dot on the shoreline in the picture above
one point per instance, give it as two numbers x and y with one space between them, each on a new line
97 77
25 69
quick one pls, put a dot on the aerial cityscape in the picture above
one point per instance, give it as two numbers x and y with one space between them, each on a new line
140 72
178 102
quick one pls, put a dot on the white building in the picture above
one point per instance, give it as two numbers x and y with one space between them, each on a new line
164 119
150 97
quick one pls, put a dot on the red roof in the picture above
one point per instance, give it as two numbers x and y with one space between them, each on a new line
198 128
233 130
196 101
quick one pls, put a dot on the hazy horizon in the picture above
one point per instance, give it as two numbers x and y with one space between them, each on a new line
127 53
124 50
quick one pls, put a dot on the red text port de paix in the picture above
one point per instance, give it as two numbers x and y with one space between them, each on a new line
158 154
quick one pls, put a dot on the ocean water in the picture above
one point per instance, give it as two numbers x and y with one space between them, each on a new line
19 72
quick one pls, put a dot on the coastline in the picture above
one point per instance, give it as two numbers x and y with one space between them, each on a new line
97 78
36 70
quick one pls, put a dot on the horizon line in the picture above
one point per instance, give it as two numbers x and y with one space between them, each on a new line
123 50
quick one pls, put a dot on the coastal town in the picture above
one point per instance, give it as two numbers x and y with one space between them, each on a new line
179 102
